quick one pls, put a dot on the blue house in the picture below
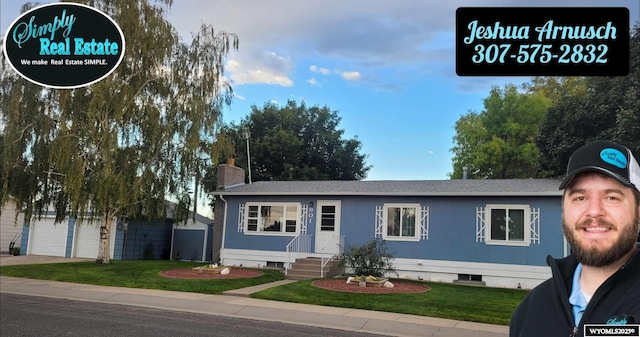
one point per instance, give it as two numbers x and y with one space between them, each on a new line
495 232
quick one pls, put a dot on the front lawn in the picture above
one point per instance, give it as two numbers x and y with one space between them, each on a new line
135 274
458 302
465 303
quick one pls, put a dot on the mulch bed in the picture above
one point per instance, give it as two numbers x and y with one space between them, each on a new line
398 287
235 272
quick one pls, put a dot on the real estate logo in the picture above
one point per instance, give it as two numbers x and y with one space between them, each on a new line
64 45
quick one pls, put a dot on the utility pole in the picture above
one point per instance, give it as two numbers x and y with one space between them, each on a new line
246 134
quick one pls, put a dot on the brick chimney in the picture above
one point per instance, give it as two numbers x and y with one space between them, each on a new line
227 176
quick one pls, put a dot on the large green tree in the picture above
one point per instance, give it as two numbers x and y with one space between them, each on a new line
607 108
295 142
122 146
499 142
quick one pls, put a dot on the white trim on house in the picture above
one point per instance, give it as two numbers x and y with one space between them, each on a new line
526 241
531 225
493 274
285 216
421 226
328 242
251 258
416 222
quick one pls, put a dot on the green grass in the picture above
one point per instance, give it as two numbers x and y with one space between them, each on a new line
475 304
134 274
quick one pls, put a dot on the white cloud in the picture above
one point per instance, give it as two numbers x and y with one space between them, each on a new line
351 75
240 74
430 152
323 71
375 35
312 81
240 97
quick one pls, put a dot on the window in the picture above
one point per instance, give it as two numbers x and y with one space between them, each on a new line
275 264
272 218
469 277
507 224
400 222
328 218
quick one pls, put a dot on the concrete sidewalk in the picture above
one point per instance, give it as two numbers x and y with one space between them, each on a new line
241 306
10 260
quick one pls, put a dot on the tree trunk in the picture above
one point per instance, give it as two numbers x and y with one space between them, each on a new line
104 256
218 227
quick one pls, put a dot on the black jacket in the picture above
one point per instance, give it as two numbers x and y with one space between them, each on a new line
546 310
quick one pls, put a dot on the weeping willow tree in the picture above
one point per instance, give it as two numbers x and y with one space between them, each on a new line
124 145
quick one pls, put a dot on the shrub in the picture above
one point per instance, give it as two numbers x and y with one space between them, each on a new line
372 258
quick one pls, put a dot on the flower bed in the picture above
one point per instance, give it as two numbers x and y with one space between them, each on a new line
341 285
368 281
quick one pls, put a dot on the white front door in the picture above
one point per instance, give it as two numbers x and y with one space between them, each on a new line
328 227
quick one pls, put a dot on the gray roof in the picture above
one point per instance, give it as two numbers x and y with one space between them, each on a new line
198 217
459 187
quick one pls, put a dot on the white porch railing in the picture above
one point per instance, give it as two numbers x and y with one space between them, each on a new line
328 257
299 245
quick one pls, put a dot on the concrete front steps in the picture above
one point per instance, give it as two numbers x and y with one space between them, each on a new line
309 268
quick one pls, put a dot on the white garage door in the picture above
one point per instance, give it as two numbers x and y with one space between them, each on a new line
10 228
47 238
87 239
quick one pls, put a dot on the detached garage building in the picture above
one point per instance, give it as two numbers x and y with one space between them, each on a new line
192 241
130 240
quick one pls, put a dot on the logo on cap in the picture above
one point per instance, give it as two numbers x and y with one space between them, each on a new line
614 157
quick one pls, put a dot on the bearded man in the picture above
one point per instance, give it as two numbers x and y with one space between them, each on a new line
599 283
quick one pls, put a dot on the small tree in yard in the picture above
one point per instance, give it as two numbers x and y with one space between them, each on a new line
372 258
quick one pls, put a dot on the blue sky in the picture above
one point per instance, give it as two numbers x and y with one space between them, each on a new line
387 67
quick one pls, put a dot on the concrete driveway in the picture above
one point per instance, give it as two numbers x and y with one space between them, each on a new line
9 260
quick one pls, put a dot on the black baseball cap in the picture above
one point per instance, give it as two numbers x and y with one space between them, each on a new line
606 157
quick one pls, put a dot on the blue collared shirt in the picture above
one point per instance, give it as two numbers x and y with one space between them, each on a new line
577 297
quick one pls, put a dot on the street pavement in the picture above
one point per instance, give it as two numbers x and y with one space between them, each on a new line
237 304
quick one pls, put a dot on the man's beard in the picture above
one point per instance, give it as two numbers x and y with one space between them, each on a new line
595 257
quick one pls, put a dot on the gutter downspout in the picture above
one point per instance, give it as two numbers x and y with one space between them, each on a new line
224 227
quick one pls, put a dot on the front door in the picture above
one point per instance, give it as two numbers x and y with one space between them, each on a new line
328 227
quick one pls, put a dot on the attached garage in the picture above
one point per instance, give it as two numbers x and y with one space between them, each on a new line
48 238
10 227
87 239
